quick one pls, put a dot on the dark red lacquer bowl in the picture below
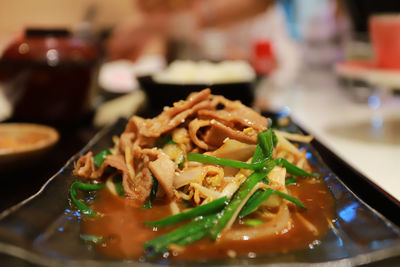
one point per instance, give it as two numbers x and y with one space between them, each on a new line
47 75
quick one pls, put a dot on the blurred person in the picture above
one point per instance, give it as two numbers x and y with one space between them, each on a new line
179 19
211 30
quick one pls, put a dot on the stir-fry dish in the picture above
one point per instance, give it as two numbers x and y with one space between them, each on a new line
206 178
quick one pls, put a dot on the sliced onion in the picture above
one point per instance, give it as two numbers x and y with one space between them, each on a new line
189 175
279 222
295 137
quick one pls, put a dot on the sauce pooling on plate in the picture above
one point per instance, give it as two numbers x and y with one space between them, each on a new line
124 227
204 179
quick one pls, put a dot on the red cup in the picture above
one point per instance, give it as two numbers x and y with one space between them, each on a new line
385 36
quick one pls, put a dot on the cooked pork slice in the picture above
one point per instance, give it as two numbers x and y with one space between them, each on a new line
133 130
194 127
84 167
126 140
137 182
137 186
236 114
164 170
218 132
171 117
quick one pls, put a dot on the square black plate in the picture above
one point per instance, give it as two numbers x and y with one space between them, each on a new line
45 230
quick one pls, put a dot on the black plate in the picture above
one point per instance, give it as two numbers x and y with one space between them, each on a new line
45 230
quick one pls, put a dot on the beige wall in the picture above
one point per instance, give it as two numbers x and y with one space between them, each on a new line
17 14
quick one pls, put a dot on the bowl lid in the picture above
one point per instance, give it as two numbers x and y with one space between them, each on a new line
49 45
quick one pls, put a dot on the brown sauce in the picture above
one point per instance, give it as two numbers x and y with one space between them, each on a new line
23 140
123 224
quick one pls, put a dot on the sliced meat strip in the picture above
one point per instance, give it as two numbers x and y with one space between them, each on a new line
194 126
85 167
180 106
248 117
164 170
218 132
138 189
222 116
152 153
171 117
133 127
159 125
126 140
236 112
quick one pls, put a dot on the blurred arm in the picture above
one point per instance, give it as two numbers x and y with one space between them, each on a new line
214 13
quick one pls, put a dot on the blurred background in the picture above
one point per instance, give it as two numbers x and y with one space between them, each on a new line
332 65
